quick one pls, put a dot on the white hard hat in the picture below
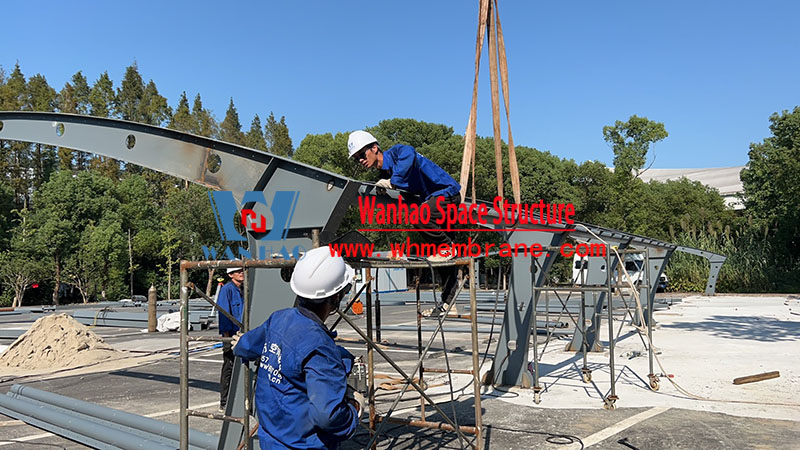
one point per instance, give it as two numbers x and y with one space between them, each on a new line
234 269
318 275
358 140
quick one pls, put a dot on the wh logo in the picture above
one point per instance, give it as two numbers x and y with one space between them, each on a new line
274 227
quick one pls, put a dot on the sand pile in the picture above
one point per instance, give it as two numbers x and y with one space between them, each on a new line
56 341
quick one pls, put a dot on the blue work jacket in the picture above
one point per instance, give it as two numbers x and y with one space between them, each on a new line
417 174
230 299
302 380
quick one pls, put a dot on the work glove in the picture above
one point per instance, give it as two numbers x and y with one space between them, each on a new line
384 184
356 398
236 339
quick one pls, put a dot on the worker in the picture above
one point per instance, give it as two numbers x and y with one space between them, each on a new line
403 168
302 398
230 299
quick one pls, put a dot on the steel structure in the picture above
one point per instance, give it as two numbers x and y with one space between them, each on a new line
323 198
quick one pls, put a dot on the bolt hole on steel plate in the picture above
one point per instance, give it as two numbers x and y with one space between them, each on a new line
59 128
1 125
130 141
213 163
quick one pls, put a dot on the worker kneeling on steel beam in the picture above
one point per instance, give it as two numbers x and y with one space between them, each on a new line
302 397
403 168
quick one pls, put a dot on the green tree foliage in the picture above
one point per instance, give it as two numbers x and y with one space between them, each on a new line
7 219
188 224
255 136
102 101
41 97
327 152
230 130
771 190
127 102
65 207
276 135
19 264
16 160
631 141
141 208
206 124
101 97
153 109
182 119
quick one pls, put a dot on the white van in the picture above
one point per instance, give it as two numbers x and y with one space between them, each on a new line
634 263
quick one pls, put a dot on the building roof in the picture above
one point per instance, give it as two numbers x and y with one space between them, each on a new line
725 179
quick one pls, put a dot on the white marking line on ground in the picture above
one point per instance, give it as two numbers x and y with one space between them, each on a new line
10 423
620 426
34 437
177 410
396 350
206 360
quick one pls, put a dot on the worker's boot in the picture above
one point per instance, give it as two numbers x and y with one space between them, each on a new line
439 310
444 255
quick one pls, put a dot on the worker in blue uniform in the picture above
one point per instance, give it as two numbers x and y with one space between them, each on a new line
302 398
403 168
230 299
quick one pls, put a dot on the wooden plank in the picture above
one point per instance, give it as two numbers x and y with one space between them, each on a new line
754 378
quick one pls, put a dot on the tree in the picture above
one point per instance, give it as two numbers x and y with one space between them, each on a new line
16 155
276 135
101 96
771 192
7 222
73 99
206 124
188 224
127 102
81 93
101 104
141 208
12 94
230 129
153 109
64 207
411 132
327 152
19 265
182 119
41 97
103 247
255 137
631 140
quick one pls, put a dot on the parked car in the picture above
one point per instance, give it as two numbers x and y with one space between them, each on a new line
137 300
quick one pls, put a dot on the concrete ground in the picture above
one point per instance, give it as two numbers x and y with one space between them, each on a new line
704 342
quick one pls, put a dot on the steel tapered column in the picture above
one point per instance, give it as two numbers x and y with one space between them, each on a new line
509 367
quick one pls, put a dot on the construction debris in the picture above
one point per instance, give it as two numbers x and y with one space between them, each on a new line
56 341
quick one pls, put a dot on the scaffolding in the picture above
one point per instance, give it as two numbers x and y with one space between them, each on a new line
616 281
376 421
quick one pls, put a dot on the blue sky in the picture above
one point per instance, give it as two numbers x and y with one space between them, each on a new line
711 71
